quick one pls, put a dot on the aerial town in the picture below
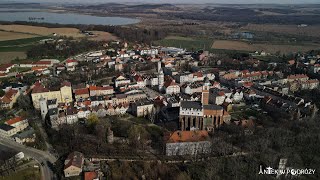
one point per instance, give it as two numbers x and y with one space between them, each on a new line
75 108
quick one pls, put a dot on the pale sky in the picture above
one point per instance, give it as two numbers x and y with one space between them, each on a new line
176 1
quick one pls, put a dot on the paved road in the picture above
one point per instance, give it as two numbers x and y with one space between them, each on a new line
37 155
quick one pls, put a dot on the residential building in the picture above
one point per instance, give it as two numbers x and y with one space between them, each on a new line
100 90
73 164
142 108
181 143
171 87
9 98
18 123
62 95
81 94
121 80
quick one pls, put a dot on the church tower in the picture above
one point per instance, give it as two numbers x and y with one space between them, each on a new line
205 92
160 76
43 107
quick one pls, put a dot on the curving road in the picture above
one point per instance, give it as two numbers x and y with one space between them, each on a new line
40 156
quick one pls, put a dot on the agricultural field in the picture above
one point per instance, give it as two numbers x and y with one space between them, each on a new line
7 57
7 35
311 30
189 43
42 31
269 48
102 36
29 173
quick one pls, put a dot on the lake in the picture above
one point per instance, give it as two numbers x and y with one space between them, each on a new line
28 15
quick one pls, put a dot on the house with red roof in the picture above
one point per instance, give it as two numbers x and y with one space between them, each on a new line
71 64
18 123
82 93
9 98
91 176
73 164
171 87
181 143
5 68
100 90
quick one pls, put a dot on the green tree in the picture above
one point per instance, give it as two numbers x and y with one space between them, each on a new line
24 102
138 136
2 92
93 119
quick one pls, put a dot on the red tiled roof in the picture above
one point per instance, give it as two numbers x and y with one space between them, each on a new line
188 136
14 120
138 78
170 83
71 61
39 89
4 67
81 91
39 68
95 88
90 175
297 76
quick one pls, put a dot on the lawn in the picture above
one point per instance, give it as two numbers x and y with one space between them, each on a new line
30 173
20 69
24 41
189 43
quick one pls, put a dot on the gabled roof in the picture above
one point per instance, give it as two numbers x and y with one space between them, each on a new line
14 120
71 61
4 67
170 83
74 159
188 136
138 78
38 88
90 175
81 91
8 96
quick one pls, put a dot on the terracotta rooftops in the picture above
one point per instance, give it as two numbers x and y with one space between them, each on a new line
170 83
81 91
14 120
188 136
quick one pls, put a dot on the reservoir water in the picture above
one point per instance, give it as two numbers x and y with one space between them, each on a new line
28 15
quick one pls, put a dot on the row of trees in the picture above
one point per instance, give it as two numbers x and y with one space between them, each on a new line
62 49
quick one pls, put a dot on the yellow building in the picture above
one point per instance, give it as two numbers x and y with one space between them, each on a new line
63 95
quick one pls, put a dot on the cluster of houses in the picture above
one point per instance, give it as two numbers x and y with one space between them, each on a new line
76 165
18 129
198 100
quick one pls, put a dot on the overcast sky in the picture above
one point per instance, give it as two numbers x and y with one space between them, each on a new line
178 1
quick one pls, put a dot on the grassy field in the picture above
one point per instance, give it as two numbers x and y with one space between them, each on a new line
21 42
30 173
6 57
269 48
44 31
102 36
6 35
313 31
189 43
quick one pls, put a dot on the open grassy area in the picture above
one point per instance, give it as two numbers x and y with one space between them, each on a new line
7 57
189 43
17 42
30 173
269 48
7 35
20 69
